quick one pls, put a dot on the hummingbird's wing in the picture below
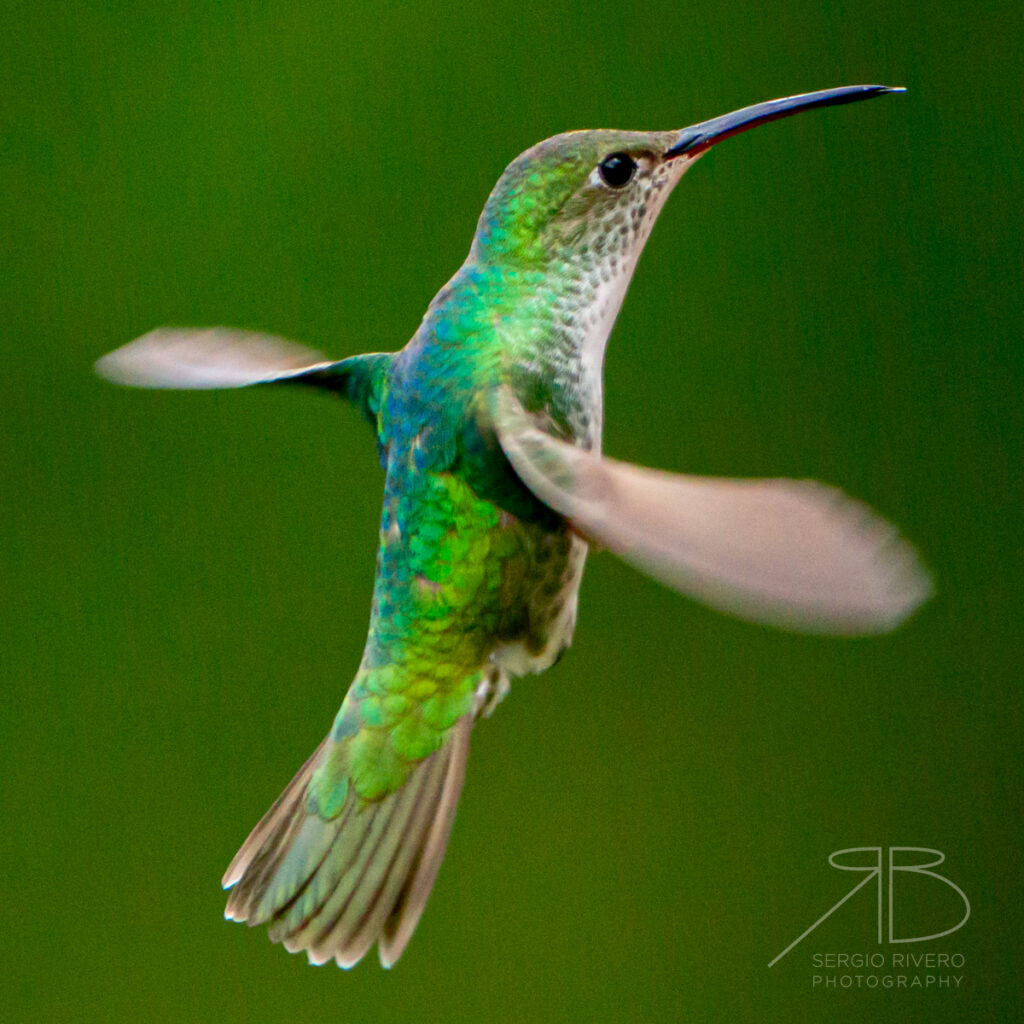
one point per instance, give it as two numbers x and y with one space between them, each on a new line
211 357
792 553
222 357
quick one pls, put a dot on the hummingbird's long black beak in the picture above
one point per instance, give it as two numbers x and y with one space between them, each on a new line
699 137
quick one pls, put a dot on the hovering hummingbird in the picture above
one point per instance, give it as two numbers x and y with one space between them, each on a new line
488 424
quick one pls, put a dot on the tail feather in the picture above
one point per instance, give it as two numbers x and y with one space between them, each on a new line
340 880
280 809
339 928
332 887
255 871
392 882
402 920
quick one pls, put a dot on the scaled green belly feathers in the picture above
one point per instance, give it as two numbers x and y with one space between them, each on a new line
489 429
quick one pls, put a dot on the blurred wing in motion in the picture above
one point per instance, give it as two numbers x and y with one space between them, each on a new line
791 553
212 357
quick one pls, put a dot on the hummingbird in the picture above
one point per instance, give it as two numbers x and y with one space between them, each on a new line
488 425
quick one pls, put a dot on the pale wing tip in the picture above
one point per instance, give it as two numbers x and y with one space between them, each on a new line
888 594
907 585
894 580
215 357
876 599
808 559
875 616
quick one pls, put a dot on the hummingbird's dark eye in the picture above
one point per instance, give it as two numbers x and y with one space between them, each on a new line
617 170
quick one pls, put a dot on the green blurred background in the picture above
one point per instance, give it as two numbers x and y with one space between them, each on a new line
186 578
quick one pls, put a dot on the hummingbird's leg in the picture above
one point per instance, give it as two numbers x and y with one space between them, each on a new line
491 691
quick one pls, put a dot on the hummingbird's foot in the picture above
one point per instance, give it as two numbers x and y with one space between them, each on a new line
490 691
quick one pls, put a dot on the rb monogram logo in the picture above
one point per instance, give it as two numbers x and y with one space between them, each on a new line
874 870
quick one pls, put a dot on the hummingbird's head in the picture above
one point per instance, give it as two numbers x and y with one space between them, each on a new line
594 195
579 195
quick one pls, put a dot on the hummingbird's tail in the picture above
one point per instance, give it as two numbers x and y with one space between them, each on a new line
334 886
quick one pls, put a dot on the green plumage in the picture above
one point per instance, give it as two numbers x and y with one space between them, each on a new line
458 578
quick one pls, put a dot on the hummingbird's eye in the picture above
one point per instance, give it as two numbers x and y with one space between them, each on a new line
617 170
